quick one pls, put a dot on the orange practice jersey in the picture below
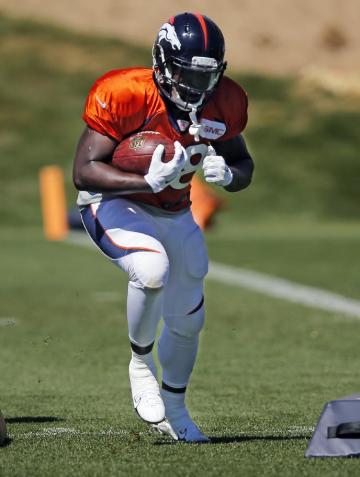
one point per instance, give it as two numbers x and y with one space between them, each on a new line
126 101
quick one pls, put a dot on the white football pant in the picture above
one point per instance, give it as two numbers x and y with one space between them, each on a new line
165 258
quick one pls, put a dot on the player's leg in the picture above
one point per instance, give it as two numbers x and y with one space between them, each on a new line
144 305
125 234
183 321
177 350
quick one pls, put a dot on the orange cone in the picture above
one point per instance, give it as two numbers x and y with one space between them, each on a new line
205 203
53 203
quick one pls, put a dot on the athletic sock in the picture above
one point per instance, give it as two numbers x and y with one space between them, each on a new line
177 355
175 407
142 364
143 314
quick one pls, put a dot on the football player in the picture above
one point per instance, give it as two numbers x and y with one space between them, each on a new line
143 224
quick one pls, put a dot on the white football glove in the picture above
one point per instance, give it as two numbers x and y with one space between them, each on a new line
161 174
216 171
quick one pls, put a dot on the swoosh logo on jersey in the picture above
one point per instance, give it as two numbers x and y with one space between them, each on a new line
102 104
212 129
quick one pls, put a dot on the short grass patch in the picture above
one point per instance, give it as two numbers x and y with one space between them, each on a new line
265 369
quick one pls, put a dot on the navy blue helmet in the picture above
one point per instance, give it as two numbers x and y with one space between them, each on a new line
188 56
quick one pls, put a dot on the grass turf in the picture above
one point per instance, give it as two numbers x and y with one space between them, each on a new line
265 369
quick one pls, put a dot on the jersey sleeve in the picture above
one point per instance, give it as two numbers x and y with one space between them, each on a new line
115 106
238 112
232 104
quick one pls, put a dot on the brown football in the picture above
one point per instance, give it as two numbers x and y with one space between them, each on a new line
134 153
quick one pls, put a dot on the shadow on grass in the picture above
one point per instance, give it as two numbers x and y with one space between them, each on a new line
6 442
28 420
245 438
234 439
32 419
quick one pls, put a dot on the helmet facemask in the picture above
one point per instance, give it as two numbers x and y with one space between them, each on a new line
187 84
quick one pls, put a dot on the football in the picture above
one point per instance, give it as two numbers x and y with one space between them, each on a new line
134 153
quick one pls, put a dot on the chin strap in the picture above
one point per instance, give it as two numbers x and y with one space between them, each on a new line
196 127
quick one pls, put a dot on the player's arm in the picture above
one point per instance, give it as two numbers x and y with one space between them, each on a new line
238 158
229 164
92 169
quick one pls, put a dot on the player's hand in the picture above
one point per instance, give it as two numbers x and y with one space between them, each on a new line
216 171
161 174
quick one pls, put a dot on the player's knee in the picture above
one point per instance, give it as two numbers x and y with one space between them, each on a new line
188 326
150 271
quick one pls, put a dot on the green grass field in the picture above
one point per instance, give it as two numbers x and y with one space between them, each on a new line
265 367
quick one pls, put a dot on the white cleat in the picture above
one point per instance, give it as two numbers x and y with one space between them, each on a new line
145 392
188 431
164 428
149 406
180 420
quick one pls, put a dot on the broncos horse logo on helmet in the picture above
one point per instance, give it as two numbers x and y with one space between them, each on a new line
168 33
188 59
